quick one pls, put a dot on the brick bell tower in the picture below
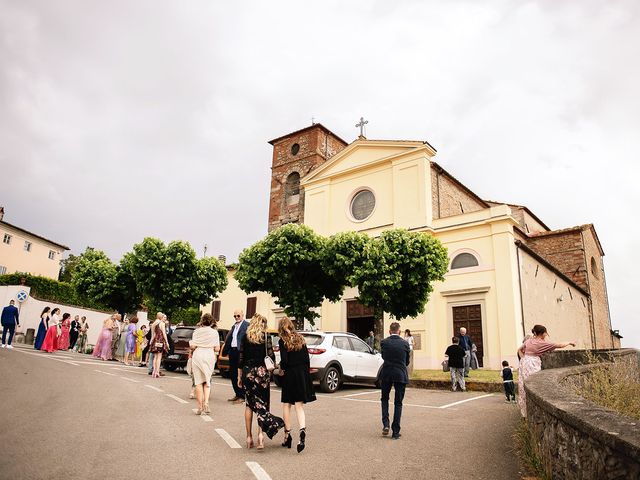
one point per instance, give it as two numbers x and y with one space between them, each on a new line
295 155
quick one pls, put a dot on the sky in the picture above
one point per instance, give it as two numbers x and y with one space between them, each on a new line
127 119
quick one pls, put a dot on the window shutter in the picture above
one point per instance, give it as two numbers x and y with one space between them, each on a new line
215 310
251 306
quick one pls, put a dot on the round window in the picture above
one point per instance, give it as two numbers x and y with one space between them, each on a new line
295 148
362 204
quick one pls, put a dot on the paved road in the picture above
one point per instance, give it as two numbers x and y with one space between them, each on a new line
69 416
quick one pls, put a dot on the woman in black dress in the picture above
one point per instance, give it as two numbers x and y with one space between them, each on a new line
297 388
256 378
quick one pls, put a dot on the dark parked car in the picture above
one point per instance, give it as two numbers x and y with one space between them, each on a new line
222 363
180 355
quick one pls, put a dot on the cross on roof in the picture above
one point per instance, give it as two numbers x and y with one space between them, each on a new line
361 124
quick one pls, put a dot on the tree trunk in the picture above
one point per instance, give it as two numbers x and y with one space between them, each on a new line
378 324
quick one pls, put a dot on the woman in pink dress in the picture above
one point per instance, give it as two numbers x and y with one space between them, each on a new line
103 344
530 362
50 343
65 326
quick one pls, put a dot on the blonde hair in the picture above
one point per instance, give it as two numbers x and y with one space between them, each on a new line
290 337
256 329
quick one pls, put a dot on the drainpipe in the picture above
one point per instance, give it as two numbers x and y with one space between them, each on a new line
520 285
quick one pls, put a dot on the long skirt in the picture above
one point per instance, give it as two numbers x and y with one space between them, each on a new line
529 364
63 340
103 345
42 332
50 343
203 362
256 386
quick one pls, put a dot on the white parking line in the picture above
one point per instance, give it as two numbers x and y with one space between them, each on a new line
177 399
106 373
229 439
258 471
378 402
358 394
206 418
129 379
154 388
467 400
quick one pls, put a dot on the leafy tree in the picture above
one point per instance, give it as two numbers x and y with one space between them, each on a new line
397 273
172 277
343 256
287 263
68 267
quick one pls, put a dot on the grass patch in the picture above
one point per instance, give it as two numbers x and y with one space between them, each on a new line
527 452
484 376
614 385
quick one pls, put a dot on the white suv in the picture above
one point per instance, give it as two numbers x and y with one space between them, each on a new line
338 357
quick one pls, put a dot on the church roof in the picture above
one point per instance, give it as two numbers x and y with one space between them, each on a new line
577 228
535 217
315 125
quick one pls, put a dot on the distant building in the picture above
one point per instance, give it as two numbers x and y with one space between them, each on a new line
507 270
23 251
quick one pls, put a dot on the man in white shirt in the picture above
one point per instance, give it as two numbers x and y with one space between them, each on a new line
232 349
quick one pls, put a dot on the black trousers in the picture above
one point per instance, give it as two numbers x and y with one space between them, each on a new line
510 390
73 338
234 360
397 403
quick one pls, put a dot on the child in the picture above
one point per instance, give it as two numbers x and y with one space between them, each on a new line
507 380
455 353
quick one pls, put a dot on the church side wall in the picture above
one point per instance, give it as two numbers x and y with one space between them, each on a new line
547 301
449 198
564 251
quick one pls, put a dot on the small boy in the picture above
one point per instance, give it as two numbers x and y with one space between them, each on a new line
507 380
455 353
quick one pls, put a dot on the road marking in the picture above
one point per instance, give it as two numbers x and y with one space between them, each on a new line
154 388
106 373
70 362
177 399
378 402
129 379
467 400
258 471
206 418
358 394
229 439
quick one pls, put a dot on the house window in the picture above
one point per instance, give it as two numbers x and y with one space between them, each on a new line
464 260
27 246
7 239
52 255
251 306
362 205
215 310
3 270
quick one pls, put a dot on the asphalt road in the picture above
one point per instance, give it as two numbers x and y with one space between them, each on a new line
69 416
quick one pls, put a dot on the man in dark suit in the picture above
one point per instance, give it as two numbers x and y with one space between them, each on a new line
9 322
232 349
396 355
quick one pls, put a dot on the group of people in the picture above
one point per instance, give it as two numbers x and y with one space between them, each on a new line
56 332
252 363
123 339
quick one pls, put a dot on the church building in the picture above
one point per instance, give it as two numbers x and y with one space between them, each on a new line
508 270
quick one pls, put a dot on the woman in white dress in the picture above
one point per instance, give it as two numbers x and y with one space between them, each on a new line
205 343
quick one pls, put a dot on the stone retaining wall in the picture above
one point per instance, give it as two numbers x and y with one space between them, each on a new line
576 438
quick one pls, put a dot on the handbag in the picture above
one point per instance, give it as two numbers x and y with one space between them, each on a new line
445 365
268 362
189 368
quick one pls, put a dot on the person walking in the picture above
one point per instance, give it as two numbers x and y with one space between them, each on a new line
103 345
297 387
159 345
507 381
396 355
466 343
42 328
74 332
9 319
255 380
50 343
411 341
130 340
531 350
205 343
81 343
456 354
65 327
232 350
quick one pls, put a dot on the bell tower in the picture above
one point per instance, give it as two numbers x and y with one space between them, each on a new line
295 155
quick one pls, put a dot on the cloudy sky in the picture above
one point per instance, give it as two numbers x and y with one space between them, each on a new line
126 119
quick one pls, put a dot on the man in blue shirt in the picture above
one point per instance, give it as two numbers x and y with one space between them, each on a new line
9 321
466 343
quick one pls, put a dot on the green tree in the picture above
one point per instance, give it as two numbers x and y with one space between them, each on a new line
171 275
68 267
287 263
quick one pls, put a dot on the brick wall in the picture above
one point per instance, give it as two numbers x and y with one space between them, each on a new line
315 146
449 198
565 252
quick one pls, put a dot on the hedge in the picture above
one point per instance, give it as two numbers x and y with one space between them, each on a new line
46 289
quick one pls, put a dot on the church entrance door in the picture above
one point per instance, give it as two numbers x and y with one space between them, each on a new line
470 317
360 319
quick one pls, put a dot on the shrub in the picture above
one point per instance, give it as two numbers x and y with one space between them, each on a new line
44 288
527 451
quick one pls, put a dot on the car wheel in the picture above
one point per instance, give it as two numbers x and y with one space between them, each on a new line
170 367
331 381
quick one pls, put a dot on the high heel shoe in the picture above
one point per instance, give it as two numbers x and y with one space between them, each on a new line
303 436
260 445
249 442
287 439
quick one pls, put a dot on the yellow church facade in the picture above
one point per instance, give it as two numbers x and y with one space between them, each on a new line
508 270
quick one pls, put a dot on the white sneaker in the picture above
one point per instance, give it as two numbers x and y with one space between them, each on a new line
3 345
9 346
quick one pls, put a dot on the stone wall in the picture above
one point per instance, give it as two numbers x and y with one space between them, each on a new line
449 197
577 439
